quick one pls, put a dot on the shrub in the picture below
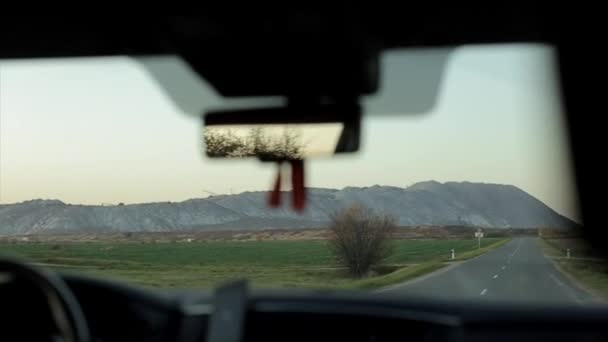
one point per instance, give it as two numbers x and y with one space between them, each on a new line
361 239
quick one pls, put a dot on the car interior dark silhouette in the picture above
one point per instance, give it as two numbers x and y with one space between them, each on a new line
321 62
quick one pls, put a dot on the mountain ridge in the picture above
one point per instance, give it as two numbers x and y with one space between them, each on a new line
422 203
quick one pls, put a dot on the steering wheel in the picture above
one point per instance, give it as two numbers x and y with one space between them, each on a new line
67 316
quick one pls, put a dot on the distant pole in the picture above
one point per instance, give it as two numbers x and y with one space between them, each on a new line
478 235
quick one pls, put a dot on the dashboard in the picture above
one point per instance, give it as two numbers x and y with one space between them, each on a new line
117 312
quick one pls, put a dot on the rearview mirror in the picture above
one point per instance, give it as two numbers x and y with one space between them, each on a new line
283 133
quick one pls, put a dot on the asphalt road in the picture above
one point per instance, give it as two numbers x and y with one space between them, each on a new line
516 271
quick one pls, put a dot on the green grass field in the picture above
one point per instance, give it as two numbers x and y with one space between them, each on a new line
205 264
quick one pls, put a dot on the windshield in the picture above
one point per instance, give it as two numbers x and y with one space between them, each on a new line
461 190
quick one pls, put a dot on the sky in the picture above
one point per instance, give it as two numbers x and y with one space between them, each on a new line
103 130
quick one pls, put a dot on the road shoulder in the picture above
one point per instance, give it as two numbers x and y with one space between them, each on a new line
581 284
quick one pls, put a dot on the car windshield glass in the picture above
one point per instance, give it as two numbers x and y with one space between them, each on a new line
463 187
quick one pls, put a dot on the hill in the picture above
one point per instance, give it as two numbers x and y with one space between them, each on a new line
425 203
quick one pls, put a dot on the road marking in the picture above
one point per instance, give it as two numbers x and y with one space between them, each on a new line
515 251
556 280
495 276
570 293
504 267
483 292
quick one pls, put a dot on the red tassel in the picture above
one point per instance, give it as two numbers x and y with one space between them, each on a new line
274 201
297 183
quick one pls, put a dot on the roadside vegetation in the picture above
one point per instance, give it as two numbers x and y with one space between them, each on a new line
361 239
585 265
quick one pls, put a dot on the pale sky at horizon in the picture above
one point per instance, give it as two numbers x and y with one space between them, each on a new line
98 130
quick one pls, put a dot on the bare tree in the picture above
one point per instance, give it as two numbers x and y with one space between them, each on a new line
256 144
361 239
288 146
224 144
258 141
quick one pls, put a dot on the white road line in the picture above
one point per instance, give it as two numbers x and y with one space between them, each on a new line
483 292
556 280
570 293
515 251
495 276
503 267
